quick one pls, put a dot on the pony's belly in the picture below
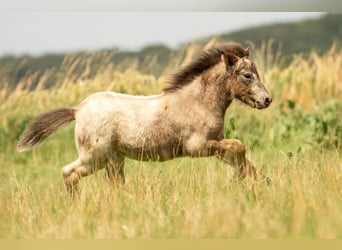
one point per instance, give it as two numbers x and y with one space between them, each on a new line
161 154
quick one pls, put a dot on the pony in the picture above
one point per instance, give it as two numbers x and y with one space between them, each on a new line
185 120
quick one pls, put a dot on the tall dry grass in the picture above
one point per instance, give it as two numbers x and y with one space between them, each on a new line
184 198
309 81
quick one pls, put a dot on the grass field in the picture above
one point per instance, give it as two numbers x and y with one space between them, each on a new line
296 142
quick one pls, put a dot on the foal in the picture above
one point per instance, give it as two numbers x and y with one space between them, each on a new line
187 119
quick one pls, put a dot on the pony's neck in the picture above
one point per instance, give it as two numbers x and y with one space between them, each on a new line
210 89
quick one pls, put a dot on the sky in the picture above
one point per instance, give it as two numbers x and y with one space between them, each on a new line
36 32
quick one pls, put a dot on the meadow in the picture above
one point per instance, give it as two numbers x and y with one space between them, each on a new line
296 142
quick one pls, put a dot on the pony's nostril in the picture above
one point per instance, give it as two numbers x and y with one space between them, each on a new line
268 100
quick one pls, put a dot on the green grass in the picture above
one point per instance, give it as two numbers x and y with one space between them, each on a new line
179 199
296 142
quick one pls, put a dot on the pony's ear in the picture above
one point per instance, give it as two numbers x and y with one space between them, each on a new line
246 52
230 59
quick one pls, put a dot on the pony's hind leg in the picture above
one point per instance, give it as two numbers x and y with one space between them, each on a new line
115 169
233 152
72 173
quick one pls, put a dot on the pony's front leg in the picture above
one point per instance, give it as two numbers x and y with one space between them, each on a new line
233 152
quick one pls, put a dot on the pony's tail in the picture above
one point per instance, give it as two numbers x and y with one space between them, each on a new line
43 126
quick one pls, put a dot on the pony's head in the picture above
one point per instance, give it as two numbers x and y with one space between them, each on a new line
244 81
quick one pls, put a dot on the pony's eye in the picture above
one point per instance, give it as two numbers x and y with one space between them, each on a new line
247 75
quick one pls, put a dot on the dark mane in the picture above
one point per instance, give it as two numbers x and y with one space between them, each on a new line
204 61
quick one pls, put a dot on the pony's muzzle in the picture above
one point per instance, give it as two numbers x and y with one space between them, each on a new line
264 103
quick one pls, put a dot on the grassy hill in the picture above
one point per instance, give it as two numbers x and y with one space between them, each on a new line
297 37
296 142
53 69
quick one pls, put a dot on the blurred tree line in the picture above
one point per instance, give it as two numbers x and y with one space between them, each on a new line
291 38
